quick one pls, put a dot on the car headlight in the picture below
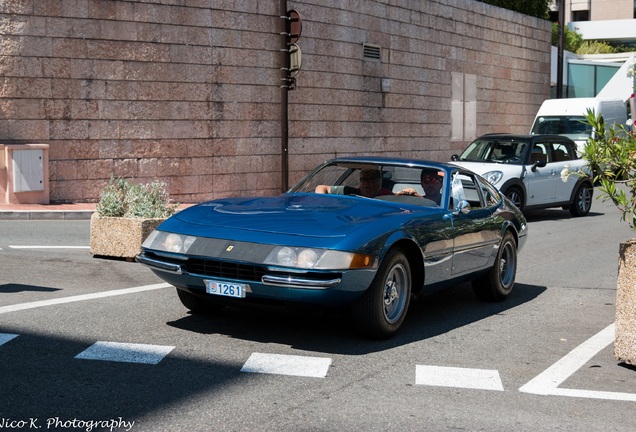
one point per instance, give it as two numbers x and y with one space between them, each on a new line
317 259
493 176
168 242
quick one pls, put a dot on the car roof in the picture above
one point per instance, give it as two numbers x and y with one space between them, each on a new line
524 137
392 161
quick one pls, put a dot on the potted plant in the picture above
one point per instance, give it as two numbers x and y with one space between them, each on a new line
611 153
125 215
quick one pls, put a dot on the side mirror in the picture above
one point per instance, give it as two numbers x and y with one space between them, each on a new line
455 157
463 207
538 164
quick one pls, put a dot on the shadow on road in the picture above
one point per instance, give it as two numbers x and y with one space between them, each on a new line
329 331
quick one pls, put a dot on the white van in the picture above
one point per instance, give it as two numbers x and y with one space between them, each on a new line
567 117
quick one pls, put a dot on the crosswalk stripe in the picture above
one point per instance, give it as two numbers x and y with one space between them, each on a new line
125 352
279 364
484 379
6 337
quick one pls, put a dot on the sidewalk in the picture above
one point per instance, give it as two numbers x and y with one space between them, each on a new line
78 211
46 211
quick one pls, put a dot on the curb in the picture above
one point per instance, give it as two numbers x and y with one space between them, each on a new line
46 214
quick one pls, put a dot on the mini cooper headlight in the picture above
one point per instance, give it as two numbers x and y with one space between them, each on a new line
317 259
493 176
168 242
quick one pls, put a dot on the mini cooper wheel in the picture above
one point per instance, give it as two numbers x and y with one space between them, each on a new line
197 304
381 310
582 201
514 194
498 282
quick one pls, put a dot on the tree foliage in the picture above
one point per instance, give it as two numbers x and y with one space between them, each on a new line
571 39
596 47
612 154
536 8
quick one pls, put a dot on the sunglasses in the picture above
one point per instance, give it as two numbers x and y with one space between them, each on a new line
431 180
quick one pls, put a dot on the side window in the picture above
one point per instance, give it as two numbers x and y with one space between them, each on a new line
561 152
466 188
540 153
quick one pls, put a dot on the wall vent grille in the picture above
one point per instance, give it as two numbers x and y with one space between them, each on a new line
371 52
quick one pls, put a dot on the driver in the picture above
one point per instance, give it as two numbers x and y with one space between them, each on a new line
431 180
370 186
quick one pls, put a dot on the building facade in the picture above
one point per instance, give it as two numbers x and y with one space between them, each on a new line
191 92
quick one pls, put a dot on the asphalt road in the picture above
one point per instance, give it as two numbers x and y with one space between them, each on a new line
97 344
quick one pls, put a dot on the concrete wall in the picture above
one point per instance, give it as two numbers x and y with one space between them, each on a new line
188 91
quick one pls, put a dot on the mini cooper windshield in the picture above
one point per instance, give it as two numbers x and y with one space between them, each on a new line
498 151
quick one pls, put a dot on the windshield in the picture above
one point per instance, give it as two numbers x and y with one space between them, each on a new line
573 127
407 184
495 150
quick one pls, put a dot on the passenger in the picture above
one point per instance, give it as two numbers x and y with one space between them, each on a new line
432 181
370 186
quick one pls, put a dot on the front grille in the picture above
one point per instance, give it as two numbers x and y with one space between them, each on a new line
223 269
245 272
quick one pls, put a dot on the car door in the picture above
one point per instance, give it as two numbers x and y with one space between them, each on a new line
476 232
539 181
564 154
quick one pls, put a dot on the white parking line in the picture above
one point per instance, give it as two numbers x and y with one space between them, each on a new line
547 383
48 247
280 364
125 352
83 297
484 379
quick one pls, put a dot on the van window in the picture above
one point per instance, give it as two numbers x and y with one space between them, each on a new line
573 127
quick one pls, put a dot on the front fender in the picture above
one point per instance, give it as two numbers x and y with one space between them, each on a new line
514 182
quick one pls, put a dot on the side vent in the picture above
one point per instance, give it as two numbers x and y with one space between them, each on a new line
371 52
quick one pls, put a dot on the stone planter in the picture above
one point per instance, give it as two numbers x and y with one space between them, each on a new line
119 237
625 339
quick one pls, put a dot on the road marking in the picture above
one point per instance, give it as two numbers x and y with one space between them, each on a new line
483 379
48 247
125 352
6 337
279 364
83 297
547 383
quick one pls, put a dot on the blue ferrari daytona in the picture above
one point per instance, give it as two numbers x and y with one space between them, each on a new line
362 232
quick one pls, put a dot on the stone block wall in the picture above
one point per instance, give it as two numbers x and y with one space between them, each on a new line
188 91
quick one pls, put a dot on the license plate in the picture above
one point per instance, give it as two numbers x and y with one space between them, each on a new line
225 289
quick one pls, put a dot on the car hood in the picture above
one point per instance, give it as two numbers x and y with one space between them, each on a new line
290 214
484 167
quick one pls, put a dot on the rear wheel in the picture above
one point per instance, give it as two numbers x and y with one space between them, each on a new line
498 282
582 201
197 304
514 194
381 310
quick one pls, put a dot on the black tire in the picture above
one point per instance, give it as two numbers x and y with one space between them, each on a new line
514 194
582 202
500 279
381 310
197 304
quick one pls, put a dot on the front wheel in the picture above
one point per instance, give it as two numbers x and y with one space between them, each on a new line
381 310
582 201
498 282
514 194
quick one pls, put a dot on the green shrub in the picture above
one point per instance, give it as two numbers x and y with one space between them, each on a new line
121 198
